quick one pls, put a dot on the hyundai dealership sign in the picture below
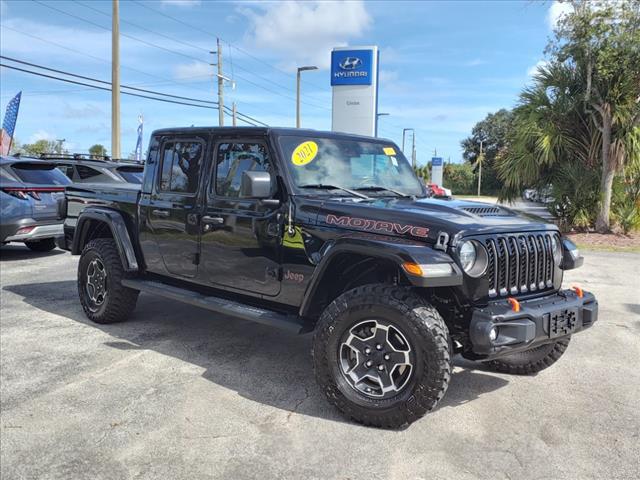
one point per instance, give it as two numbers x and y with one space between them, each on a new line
354 78
351 67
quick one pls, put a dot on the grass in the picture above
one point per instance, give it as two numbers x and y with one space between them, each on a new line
609 248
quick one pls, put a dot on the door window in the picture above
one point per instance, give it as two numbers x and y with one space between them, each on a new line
235 158
181 166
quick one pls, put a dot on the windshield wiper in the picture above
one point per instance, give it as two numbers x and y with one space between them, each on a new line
322 186
383 189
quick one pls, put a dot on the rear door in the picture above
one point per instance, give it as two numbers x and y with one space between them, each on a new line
172 210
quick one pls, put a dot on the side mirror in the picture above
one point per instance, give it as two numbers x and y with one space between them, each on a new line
255 185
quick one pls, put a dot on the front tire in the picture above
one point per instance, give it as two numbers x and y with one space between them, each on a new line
100 274
44 245
531 361
382 355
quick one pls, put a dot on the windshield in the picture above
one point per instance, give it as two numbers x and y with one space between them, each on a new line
348 164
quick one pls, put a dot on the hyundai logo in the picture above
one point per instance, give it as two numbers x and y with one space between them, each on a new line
350 63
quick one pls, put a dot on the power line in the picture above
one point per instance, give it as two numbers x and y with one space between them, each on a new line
241 116
241 50
105 82
103 88
122 34
182 54
97 58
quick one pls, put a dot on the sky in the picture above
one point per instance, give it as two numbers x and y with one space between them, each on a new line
443 65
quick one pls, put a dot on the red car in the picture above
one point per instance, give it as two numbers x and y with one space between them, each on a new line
435 190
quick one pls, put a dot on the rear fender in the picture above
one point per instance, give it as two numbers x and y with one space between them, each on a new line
116 223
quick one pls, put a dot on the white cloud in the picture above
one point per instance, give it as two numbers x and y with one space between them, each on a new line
534 68
475 62
41 135
181 3
556 11
388 76
191 70
305 32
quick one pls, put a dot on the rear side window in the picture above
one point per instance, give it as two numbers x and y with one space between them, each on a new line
40 174
131 174
181 166
92 174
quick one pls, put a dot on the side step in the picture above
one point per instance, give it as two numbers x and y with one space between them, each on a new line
216 304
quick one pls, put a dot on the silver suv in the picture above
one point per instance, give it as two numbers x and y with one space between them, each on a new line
86 169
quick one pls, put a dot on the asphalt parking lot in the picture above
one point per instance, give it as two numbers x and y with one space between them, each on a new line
178 392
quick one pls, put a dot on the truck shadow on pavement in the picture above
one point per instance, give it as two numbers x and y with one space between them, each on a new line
262 364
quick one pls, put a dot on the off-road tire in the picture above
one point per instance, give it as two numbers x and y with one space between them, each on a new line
44 245
425 330
119 301
531 361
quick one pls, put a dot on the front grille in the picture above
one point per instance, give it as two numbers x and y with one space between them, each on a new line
519 263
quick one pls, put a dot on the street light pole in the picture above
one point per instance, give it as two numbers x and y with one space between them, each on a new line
378 115
300 69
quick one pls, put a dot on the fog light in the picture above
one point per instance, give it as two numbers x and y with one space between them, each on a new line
24 230
493 334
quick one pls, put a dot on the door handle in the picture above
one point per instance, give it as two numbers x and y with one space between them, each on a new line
160 213
212 220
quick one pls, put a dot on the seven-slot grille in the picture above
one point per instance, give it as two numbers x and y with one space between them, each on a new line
519 263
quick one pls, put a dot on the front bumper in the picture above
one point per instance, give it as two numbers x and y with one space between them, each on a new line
38 232
539 321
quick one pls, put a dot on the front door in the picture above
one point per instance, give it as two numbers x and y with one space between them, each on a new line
172 210
240 241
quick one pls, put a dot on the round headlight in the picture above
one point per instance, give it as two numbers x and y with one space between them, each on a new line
556 248
473 258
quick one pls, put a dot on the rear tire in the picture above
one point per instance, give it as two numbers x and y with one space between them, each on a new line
44 245
410 330
100 274
531 361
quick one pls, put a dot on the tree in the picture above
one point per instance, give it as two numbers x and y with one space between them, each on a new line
601 41
493 132
98 151
39 147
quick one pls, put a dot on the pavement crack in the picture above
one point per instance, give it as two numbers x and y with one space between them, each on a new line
299 403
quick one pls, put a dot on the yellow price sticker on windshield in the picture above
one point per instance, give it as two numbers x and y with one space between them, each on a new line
304 153
389 151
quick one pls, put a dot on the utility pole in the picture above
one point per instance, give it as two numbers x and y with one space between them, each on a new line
115 80
480 161
220 86
234 114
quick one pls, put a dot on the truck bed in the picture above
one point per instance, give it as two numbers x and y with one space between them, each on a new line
123 197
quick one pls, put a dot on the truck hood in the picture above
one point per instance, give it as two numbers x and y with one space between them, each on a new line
409 218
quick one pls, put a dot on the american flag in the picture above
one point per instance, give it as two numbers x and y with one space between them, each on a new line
139 142
9 124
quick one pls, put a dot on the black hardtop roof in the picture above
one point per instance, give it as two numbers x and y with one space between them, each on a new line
6 160
262 131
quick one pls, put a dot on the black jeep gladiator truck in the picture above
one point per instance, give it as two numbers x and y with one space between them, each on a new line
332 234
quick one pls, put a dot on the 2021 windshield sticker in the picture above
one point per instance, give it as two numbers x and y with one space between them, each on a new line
390 151
304 153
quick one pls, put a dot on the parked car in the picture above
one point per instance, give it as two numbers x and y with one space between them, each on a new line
333 234
29 193
86 169
528 194
434 190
